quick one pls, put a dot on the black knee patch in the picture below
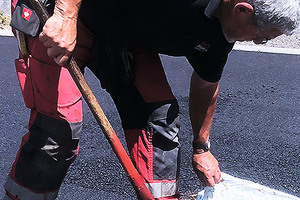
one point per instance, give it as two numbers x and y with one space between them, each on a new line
44 159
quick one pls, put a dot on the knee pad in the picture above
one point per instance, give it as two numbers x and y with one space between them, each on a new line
44 158
164 125
164 120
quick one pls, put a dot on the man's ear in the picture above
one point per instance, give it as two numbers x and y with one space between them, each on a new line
243 8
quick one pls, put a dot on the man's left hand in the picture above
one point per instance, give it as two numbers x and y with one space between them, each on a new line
207 168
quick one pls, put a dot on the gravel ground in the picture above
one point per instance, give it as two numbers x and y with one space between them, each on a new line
4 22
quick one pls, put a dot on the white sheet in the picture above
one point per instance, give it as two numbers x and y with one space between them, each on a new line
231 188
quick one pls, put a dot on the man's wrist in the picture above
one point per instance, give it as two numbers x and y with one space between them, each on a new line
199 147
67 9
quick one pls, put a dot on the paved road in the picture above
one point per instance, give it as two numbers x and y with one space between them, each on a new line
255 134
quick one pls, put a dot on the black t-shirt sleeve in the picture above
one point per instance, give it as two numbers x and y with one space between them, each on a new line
209 65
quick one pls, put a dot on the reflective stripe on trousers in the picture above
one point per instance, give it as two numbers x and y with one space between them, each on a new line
163 189
24 194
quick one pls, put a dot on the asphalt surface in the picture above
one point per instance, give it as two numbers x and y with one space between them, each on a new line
255 134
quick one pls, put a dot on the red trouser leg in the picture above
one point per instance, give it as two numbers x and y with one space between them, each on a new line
149 114
51 144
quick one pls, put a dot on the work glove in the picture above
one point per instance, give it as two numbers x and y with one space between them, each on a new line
59 36
206 167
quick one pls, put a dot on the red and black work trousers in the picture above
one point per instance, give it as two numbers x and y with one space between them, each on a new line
147 107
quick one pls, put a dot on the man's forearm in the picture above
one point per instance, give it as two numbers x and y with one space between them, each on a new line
203 99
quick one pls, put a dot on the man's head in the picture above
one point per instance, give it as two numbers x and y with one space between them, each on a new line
258 20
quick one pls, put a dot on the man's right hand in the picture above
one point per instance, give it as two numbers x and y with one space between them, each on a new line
60 31
59 36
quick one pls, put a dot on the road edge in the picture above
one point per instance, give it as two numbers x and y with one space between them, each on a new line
238 47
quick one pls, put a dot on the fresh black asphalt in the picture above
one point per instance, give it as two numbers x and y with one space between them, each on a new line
255 134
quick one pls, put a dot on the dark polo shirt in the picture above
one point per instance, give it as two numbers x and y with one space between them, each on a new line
172 27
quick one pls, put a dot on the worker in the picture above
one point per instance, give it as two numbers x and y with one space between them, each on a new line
120 42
